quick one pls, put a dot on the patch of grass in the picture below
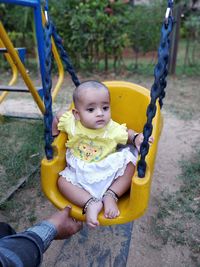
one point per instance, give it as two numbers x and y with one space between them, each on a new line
192 67
191 70
20 210
21 149
178 218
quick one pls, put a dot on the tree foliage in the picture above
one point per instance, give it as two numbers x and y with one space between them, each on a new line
18 21
90 31
93 30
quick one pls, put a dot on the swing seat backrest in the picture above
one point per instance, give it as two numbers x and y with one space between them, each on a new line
128 104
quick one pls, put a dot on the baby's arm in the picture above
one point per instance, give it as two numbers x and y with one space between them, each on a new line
131 135
55 122
55 130
137 138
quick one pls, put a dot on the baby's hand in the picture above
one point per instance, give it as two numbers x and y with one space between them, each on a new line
139 139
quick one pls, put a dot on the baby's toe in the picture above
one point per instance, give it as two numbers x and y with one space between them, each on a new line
93 224
116 214
107 214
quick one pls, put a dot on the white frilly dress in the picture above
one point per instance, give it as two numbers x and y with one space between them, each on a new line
93 162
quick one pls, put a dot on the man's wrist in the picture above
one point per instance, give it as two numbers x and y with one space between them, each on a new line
46 231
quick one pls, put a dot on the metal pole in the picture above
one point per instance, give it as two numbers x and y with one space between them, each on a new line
175 40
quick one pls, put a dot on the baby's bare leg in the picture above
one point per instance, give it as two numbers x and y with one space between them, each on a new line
119 186
79 197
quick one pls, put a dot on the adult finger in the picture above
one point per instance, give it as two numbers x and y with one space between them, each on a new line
67 210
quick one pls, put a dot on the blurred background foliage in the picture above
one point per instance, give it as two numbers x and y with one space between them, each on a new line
103 35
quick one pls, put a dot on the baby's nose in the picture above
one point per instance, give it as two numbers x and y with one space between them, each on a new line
99 112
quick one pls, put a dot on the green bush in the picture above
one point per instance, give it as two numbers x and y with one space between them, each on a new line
93 30
89 31
144 28
96 33
18 22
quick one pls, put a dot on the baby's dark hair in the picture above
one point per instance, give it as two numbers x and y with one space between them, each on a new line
92 84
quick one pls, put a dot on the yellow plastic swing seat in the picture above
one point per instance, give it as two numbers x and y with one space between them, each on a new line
128 104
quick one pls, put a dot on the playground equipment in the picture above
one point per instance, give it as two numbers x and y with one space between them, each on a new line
131 104
15 58
140 110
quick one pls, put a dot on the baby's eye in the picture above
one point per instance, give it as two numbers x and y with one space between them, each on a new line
106 108
90 109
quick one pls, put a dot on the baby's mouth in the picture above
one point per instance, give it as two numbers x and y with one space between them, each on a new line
100 121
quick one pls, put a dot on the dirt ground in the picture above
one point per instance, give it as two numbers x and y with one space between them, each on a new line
146 249
176 143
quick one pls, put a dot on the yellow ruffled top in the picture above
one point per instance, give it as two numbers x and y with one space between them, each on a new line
92 144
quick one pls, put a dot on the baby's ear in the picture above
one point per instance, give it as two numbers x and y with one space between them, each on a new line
76 114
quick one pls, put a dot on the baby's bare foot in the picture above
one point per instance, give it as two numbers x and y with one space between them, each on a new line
92 213
111 210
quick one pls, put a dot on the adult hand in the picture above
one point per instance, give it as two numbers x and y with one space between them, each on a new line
65 225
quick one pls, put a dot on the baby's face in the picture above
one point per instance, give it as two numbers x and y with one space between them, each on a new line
94 108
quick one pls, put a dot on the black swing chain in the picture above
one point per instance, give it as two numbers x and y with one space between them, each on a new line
157 91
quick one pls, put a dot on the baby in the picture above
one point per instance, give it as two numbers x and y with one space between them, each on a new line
98 172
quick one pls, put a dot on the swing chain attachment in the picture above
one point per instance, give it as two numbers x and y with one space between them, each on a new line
168 12
48 115
46 9
64 56
50 31
157 90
